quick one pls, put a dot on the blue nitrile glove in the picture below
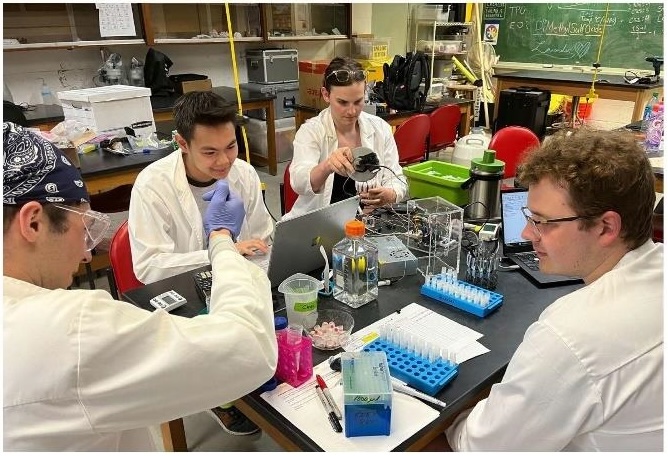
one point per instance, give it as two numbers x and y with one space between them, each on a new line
226 210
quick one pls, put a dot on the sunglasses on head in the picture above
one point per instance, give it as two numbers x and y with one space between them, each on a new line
348 75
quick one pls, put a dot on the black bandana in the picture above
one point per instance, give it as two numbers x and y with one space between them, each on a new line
35 170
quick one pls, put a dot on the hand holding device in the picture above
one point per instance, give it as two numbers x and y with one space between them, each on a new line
226 210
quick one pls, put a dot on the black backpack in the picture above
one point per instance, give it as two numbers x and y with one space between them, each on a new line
402 79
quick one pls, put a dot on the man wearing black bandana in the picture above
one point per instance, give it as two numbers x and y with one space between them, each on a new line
81 369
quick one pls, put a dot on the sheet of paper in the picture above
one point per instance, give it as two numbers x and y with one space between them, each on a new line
303 408
656 162
426 324
116 19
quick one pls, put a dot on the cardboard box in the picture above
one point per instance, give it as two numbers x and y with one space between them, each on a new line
311 73
374 68
111 108
202 85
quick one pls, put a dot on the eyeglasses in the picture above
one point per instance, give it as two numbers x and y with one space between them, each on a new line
96 224
347 75
535 223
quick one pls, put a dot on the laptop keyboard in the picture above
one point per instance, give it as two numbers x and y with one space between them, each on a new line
529 259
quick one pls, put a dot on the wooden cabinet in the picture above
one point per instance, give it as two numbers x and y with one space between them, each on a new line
307 21
68 25
197 23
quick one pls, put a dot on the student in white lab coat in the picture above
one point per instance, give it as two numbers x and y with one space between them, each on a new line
169 197
588 375
83 372
165 222
323 159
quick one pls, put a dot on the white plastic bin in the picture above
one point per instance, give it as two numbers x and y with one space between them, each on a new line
285 135
111 108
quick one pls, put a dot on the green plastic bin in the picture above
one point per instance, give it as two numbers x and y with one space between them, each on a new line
437 178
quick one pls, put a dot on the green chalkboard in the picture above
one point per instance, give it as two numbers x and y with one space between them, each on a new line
570 33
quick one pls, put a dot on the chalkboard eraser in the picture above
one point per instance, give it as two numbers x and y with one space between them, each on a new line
547 65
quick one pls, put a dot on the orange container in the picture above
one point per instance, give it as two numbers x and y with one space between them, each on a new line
584 109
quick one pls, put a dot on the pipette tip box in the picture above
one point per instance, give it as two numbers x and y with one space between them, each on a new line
427 376
481 310
367 394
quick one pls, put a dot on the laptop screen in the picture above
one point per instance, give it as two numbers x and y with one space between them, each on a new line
512 202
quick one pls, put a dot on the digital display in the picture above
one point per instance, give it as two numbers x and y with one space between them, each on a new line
168 299
513 219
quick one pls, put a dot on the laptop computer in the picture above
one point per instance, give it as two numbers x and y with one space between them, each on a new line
519 250
297 241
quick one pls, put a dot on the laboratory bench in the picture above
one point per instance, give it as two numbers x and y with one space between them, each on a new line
45 117
577 85
502 331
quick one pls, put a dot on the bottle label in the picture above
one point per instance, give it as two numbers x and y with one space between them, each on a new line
309 306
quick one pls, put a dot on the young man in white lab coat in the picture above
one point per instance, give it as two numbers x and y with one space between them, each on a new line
588 375
83 372
166 206
165 222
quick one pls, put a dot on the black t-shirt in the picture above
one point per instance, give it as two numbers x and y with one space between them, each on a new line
339 193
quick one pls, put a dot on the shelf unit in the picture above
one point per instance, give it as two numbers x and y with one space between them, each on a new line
29 26
424 30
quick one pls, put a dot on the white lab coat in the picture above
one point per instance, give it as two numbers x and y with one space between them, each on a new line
83 372
316 140
588 375
165 224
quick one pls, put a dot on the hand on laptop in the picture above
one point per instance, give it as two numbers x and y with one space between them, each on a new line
252 247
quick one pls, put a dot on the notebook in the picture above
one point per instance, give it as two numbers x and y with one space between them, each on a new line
519 250
297 241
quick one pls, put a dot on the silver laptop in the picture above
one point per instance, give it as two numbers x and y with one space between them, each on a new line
519 250
297 241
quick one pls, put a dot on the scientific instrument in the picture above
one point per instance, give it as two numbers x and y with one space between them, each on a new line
489 232
168 301
366 164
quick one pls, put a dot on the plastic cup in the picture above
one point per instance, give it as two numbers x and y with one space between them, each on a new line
301 299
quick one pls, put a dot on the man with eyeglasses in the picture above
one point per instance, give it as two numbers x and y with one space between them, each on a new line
323 161
588 375
83 372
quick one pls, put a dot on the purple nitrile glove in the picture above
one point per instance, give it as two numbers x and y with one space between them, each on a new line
226 210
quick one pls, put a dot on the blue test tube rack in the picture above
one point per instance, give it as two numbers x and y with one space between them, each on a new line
420 372
470 298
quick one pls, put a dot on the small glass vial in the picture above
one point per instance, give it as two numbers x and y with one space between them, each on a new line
355 265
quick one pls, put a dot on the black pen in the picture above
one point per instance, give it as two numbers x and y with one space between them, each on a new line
328 408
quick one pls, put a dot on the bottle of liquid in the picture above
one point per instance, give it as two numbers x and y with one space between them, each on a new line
648 110
654 133
355 265
47 96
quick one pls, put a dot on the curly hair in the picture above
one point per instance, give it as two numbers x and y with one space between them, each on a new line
601 171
